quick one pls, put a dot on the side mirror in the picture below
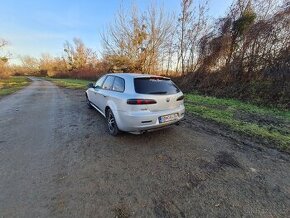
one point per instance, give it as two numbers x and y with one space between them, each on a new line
91 85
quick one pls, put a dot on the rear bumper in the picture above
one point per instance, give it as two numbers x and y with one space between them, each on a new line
146 120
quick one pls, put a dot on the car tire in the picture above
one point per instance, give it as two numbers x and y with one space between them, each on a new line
89 103
111 123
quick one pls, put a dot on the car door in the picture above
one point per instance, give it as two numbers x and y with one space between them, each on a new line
104 92
93 92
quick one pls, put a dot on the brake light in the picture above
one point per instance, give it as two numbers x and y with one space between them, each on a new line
141 101
180 98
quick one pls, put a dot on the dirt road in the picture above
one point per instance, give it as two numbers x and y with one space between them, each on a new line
57 160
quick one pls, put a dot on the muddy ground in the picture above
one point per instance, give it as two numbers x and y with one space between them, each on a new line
57 160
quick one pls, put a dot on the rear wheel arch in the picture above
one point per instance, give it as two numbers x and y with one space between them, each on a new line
114 110
112 106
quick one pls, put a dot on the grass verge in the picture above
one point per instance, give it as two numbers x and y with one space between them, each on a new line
12 84
70 83
269 124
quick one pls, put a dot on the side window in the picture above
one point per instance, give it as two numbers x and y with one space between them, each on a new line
108 82
119 84
100 81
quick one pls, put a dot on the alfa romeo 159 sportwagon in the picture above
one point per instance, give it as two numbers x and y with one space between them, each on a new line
136 103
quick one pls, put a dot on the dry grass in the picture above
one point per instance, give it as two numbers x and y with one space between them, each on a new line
12 84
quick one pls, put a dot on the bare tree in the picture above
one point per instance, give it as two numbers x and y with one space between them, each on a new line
4 73
78 56
30 65
192 26
3 43
183 25
138 42
51 66
3 58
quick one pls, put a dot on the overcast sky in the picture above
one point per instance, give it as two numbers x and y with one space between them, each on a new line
33 27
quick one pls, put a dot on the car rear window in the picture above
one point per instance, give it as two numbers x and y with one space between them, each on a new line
155 85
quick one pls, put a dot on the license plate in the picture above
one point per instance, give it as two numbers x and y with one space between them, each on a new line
168 118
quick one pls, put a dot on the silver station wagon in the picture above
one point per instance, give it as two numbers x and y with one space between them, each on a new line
136 103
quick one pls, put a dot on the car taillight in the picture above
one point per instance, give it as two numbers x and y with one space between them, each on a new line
180 98
141 101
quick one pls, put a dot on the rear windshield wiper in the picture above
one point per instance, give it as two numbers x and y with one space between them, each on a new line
161 93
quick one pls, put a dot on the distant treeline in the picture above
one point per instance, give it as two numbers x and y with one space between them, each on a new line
245 54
